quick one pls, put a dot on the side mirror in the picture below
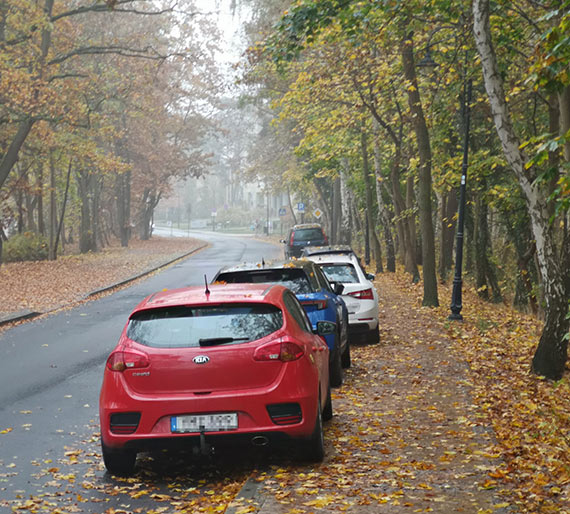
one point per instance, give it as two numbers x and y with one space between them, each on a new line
282 241
370 276
337 287
325 328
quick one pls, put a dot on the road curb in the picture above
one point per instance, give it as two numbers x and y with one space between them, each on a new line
143 274
28 314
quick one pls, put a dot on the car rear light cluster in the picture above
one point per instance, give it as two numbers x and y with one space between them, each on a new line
285 413
318 304
284 351
365 294
125 422
122 360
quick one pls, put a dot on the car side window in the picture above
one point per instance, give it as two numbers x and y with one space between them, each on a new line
297 311
321 277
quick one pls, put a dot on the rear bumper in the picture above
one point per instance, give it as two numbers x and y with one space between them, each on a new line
154 429
224 439
361 329
362 314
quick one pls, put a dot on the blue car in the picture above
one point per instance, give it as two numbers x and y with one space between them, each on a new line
320 299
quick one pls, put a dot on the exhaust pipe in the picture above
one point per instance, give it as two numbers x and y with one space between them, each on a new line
259 440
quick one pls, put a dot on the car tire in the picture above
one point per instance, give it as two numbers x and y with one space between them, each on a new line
328 409
335 370
345 359
374 335
119 462
314 448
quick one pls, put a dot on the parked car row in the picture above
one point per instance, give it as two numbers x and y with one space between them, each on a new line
250 358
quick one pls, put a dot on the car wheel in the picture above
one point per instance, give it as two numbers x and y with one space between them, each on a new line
335 370
315 446
346 361
374 335
119 462
328 409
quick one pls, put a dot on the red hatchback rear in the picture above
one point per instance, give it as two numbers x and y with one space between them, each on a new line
205 367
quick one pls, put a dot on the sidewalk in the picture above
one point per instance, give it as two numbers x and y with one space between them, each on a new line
406 435
30 289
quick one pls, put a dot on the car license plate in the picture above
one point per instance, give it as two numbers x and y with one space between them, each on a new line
204 422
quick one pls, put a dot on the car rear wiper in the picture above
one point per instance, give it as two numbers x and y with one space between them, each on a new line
213 341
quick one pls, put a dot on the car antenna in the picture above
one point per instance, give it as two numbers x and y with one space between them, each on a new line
206 282
262 262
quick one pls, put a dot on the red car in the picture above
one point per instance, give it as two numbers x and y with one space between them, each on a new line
217 364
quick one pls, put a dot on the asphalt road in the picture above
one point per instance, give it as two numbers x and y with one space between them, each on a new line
50 376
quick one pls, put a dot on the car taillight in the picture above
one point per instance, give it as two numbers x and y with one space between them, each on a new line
319 304
120 361
291 240
365 294
326 240
284 351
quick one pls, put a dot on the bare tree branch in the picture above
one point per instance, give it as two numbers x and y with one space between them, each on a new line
140 53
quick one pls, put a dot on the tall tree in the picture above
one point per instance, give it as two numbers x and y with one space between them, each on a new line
553 258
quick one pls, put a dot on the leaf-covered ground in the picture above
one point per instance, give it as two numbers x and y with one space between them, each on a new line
440 416
46 285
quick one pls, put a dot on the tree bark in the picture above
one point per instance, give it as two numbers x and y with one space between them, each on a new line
383 214
52 251
373 238
63 207
551 354
344 236
448 211
425 184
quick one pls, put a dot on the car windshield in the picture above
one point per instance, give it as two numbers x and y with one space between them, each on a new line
175 327
344 273
308 234
293 278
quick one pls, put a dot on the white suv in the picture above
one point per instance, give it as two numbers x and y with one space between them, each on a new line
341 265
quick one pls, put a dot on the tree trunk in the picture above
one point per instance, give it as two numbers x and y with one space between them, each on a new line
551 354
123 195
425 187
52 252
485 273
10 158
384 215
40 193
344 236
87 236
448 211
336 213
373 238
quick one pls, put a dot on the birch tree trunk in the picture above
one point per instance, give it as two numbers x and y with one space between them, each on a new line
551 353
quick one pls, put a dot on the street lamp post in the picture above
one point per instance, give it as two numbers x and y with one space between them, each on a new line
456 304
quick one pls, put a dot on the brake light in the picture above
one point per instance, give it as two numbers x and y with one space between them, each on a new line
365 294
120 361
285 351
319 304
292 237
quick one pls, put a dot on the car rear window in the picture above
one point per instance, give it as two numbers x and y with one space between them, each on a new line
176 327
308 234
340 273
292 278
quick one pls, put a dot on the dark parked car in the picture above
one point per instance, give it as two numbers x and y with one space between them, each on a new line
307 234
316 294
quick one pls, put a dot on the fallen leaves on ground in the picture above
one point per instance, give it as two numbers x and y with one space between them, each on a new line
441 416
46 285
